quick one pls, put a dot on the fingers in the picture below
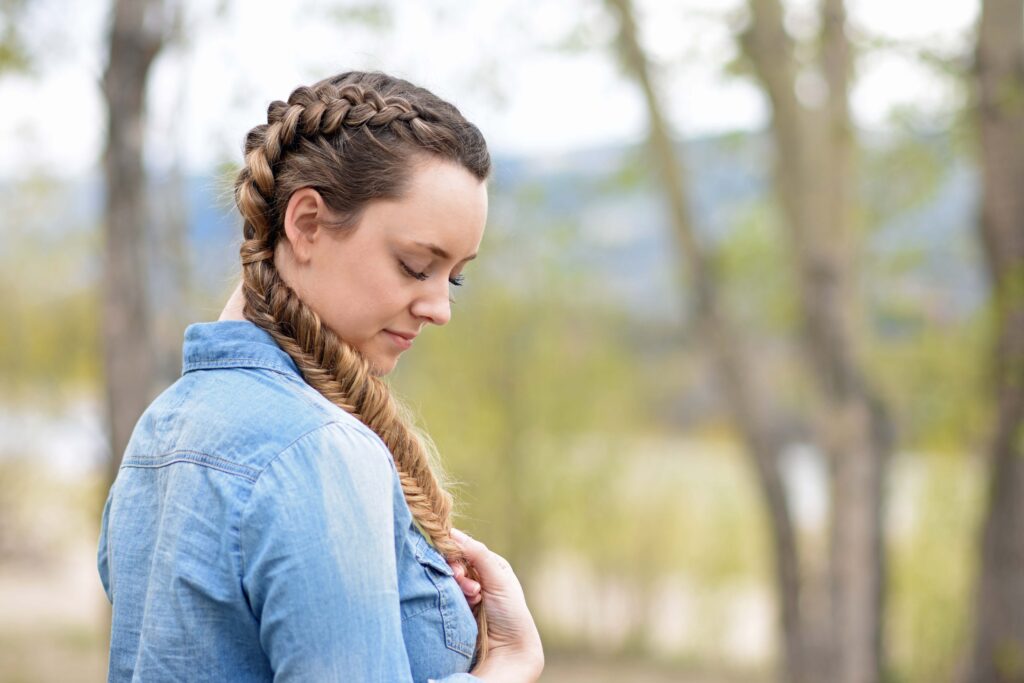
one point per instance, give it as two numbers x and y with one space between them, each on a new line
472 592
470 588
491 567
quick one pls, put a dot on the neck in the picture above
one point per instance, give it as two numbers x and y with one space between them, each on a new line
233 308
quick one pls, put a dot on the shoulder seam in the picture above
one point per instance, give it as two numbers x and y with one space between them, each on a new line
372 437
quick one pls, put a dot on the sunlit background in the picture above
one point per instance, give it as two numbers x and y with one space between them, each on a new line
589 403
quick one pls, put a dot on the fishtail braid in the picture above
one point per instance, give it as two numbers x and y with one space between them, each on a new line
323 136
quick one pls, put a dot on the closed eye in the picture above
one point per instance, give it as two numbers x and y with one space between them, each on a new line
412 273
458 280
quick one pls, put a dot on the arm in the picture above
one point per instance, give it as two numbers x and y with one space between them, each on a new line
102 564
317 545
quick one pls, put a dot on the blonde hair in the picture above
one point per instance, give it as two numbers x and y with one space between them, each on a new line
354 138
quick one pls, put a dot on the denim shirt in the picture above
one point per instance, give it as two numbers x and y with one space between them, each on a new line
258 532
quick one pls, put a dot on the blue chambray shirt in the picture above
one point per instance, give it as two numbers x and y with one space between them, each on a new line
258 532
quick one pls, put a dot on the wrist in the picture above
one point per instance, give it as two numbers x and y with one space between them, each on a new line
519 668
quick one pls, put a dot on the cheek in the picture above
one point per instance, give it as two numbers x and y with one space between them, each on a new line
360 288
364 302
387 290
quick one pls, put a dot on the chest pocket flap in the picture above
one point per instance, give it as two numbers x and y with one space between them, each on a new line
460 630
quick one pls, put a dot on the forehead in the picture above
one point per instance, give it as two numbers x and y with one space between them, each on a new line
444 205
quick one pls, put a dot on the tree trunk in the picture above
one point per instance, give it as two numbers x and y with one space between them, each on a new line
129 362
998 647
813 171
745 400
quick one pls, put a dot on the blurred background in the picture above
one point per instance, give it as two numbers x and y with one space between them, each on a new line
736 385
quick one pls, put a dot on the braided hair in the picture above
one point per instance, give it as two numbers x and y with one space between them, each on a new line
354 138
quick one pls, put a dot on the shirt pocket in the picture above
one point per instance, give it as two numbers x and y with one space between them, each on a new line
457 621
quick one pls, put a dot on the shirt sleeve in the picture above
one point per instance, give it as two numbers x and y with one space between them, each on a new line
319 567
102 564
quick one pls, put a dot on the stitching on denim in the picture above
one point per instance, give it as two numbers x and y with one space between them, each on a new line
189 460
416 614
195 457
236 527
452 639
212 364
424 556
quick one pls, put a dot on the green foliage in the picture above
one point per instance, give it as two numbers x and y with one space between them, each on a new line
14 56
49 296
677 500
931 564
934 378
632 174
901 175
757 274
371 14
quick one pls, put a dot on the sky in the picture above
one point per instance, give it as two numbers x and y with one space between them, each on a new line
538 83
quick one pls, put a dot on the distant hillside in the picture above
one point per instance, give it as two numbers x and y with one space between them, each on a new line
926 195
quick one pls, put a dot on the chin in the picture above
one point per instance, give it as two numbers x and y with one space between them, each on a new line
382 366
379 361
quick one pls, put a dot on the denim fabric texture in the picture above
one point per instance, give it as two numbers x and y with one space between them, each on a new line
257 532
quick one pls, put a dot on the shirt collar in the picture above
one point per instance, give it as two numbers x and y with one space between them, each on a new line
233 344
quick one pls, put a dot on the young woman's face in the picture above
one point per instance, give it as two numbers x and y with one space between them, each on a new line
377 285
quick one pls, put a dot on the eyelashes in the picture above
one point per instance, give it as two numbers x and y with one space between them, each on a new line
412 273
458 280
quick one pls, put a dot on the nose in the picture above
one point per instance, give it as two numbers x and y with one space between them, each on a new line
434 306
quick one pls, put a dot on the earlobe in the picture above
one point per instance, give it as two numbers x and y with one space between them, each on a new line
302 219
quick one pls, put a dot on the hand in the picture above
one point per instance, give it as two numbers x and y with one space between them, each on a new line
516 652
470 588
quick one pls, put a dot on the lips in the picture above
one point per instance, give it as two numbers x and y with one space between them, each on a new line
402 340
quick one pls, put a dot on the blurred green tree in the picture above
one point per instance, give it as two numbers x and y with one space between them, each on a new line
814 181
745 396
814 166
998 646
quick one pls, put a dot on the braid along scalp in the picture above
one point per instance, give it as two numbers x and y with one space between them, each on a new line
354 138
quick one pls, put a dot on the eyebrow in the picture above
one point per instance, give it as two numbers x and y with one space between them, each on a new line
438 251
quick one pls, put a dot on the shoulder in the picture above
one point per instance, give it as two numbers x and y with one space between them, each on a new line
248 417
345 452
326 481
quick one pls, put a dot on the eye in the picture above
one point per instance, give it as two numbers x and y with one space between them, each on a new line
457 280
412 273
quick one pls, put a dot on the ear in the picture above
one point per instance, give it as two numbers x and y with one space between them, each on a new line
302 217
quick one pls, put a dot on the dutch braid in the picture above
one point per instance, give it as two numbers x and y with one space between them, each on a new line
324 137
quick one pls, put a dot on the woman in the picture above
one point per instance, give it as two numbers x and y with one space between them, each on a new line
276 516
